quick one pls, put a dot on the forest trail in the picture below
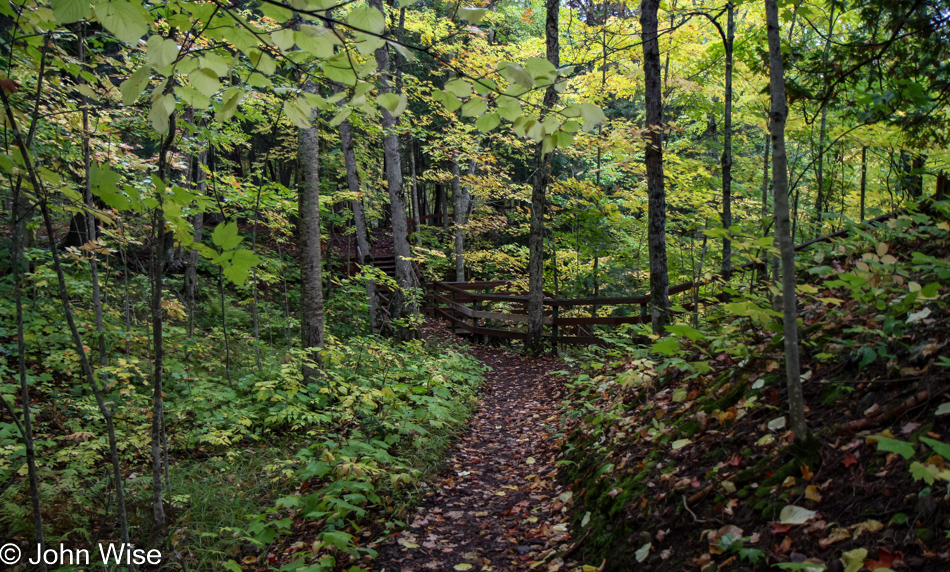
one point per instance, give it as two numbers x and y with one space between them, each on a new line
495 506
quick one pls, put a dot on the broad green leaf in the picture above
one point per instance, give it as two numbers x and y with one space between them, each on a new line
403 51
548 144
242 39
283 39
517 74
592 115
69 11
563 139
460 88
395 104
474 107
161 52
225 236
644 551
216 63
483 86
162 107
192 97
232 99
367 19
278 13
853 560
367 44
317 41
340 117
902 448
472 15
551 124
231 565
941 449
132 87
684 330
205 81
339 69
298 112
541 70
448 100
105 185
262 62
337 538
241 263
487 122
534 129
125 20
406 3
666 346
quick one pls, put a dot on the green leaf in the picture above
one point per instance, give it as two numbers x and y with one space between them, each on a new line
216 63
231 564
277 13
902 448
241 263
393 103
298 112
922 472
941 449
943 409
262 62
487 122
472 15
161 52
459 88
644 551
232 99
317 41
205 80
592 115
105 185
225 236
517 74
69 11
563 139
367 19
132 87
340 117
126 21
337 538
448 100
463 566
666 346
367 44
162 107
192 97
474 107
684 330
283 39
541 70
339 69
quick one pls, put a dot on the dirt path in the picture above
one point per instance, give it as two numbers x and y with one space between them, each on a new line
496 506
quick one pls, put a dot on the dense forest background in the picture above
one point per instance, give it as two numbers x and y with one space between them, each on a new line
220 220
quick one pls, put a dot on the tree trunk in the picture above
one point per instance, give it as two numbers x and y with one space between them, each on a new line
659 279
820 169
764 217
779 114
311 265
197 223
377 318
727 146
459 222
416 215
26 428
864 177
539 185
403 304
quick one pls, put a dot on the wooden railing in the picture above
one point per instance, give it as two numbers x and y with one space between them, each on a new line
479 309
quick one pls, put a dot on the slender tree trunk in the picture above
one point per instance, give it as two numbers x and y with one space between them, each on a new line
659 279
459 223
311 264
864 177
764 217
727 145
377 317
416 215
820 170
197 223
779 114
402 304
542 167
26 428
255 315
224 328
158 365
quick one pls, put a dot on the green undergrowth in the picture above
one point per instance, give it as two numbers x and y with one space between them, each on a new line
253 450
661 439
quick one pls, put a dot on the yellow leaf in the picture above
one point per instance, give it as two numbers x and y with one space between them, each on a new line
812 494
